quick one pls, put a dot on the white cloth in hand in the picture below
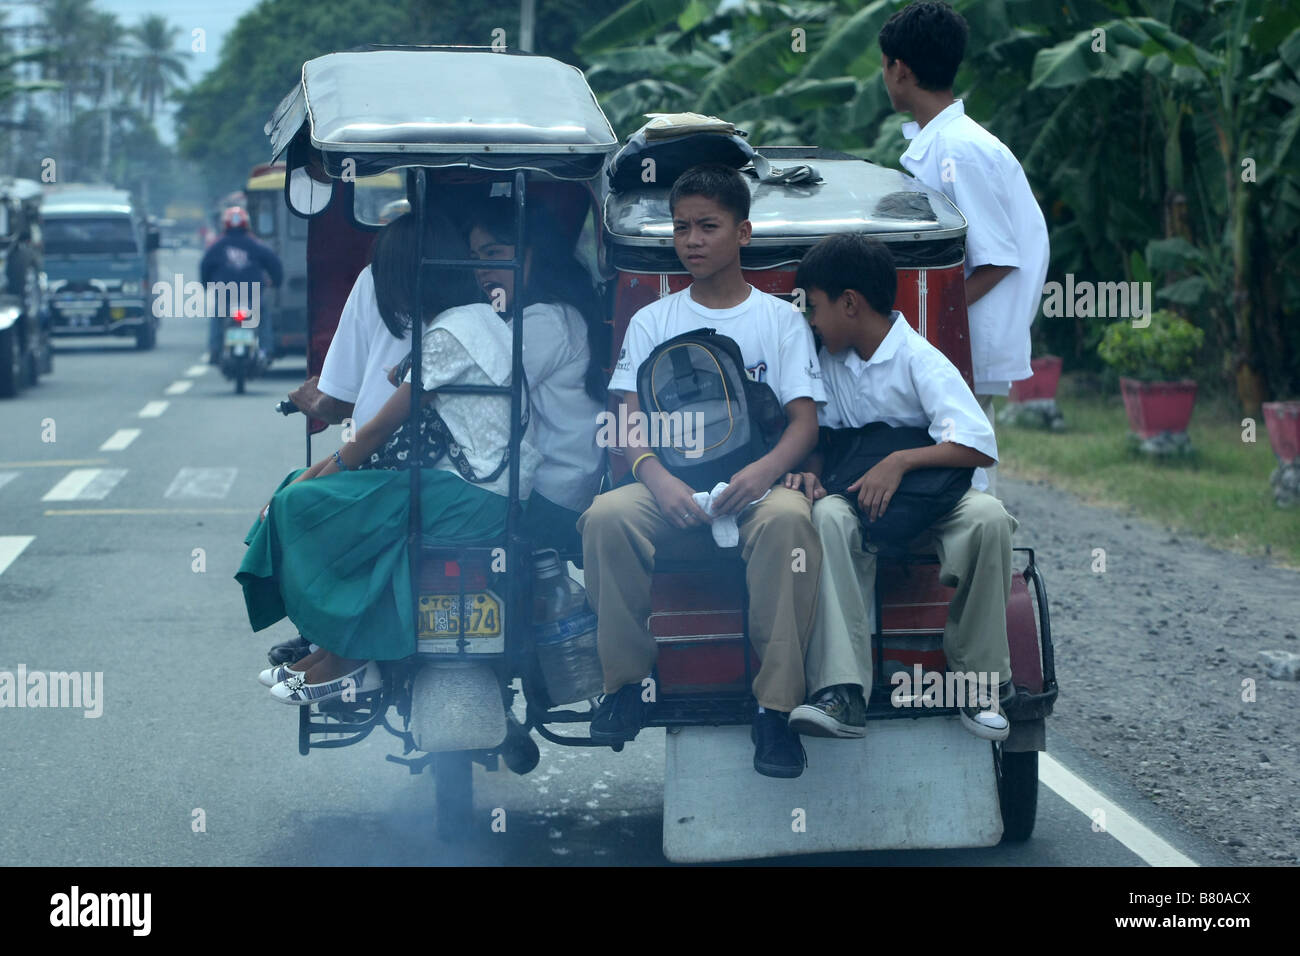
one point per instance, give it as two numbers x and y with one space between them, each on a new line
726 533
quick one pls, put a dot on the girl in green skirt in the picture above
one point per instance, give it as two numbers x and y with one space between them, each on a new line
330 550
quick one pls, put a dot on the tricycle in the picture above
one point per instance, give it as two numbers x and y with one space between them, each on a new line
461 124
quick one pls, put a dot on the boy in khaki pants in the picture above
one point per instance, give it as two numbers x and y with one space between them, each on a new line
877 369
625 528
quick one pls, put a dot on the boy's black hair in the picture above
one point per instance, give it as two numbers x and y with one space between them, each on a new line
723 184
394 262
556 276
851 261
930 38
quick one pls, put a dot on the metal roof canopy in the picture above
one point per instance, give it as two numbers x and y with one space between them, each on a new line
856 196
444 106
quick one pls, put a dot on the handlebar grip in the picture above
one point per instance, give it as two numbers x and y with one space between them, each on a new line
287 408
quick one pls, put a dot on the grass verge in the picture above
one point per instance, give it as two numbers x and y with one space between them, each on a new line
1220 493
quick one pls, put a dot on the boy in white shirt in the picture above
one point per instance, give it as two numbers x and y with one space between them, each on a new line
877 369
624 528
1006 239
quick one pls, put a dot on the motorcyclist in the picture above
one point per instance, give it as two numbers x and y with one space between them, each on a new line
239 257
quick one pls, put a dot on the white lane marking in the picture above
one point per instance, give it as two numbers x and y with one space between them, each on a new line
177 388
201 483
83 484
1119 824
194 370
12 545
120 439
153 409
203 356
6 477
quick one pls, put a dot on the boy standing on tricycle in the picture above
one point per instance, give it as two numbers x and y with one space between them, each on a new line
625 528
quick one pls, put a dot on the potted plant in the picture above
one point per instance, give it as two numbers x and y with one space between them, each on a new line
1032 401
1282 419
1152 362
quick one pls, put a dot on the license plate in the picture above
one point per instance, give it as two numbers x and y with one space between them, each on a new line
241 337
78 310
440 615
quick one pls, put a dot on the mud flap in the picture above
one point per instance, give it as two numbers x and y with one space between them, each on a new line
456 706
1026 735
909 784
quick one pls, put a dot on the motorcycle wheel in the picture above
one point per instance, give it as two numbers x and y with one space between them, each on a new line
239 378
453 779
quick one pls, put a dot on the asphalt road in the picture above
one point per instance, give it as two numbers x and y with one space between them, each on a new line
108 583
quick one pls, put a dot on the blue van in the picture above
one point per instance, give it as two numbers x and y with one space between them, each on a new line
99 263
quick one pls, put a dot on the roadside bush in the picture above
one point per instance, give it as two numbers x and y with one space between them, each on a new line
1163 351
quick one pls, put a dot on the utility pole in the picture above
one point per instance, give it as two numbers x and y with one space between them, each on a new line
108 118
527 18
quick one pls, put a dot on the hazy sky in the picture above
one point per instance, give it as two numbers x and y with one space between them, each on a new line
216 17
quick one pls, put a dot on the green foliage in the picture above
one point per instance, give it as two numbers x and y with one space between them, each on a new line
1163 351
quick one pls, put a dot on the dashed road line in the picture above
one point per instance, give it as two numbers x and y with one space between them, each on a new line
196 370
6 477
54 463
12 545
179 387
153 409
85 484
201 483
1153 850
120 439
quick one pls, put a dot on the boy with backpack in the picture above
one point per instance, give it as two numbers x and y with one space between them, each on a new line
921 48
876 368
624 529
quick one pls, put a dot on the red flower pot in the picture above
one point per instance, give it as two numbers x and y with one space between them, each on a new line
1282 419
1041 384
1155 407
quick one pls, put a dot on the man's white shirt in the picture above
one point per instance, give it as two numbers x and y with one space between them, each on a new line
907 382
1005 227
363 350
775 342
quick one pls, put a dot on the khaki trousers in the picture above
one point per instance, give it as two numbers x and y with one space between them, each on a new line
622 532
973 542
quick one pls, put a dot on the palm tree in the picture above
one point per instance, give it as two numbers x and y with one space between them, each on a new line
155 69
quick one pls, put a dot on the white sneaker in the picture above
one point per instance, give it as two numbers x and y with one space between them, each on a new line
294 689
985 724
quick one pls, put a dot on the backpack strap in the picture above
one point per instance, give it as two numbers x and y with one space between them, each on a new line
688 383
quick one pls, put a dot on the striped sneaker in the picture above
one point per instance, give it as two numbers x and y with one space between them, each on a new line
295 689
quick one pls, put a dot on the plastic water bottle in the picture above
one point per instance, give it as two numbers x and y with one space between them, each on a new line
564 629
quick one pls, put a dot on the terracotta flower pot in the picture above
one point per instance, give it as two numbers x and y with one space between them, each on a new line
1156 407
1282 419
1042 384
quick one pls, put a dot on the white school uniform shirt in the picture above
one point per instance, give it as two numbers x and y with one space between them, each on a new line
564 416
361 353
973 168
471 345
907 382
775 342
